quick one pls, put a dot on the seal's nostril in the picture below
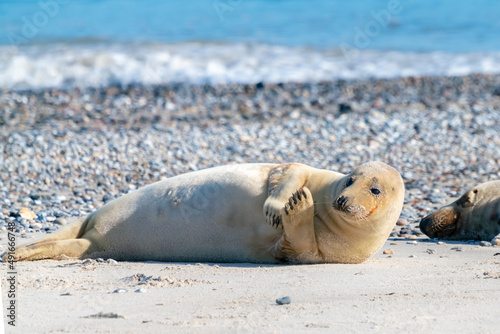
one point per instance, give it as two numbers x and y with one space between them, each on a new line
341 202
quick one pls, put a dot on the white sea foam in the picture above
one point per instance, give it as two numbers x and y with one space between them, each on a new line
86 65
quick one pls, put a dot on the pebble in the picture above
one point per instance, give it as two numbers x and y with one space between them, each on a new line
120 291
485 244
88 262
27 213
111 261
141 290
402 222
60 221
36 226
389 251
414 242
283 300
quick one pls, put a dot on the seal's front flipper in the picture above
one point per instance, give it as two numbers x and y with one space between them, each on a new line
298 243
284 180
53 249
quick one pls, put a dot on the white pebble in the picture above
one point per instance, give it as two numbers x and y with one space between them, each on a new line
120 291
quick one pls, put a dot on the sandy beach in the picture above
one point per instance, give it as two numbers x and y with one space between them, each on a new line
66 153
421 288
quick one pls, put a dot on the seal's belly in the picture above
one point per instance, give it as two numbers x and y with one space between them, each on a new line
216 213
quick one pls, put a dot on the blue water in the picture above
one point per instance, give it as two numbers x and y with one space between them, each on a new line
428 25
234 40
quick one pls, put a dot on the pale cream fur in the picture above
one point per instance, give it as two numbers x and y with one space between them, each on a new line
219 215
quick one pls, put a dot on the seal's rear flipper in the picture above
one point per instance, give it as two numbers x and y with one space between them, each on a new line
72 231
64 241
53 249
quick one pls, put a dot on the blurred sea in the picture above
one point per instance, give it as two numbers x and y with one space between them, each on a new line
66 43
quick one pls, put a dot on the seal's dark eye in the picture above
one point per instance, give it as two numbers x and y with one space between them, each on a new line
375 191
350 181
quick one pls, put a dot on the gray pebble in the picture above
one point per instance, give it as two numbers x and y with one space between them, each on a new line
88 262
485 244
283 300
60 221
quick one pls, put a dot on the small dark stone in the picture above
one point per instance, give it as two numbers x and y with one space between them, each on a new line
283 300
34 195
496 91
344 108
417 128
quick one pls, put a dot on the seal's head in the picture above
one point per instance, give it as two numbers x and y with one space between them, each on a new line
442 223
364 207
473 216
370 197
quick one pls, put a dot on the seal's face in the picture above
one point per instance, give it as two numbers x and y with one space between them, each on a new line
442 223
373 193
362 210
472 216
446 222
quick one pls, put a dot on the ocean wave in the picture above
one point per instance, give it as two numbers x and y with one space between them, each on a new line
94 65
